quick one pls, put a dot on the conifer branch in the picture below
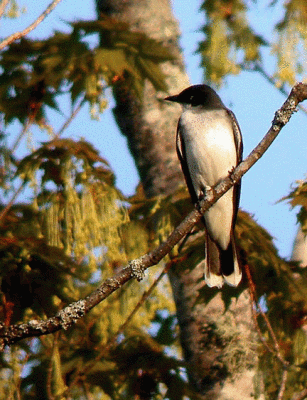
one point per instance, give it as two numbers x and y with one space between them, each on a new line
135 269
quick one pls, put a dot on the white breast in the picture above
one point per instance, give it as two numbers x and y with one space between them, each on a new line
211 155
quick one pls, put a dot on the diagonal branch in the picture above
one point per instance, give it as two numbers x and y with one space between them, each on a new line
300 396
70 118
276 351
6 209
135 269
283 384
18 35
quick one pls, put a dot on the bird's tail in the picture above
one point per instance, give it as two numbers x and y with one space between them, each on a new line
222 265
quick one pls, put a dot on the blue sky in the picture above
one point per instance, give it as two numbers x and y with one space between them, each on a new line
252 99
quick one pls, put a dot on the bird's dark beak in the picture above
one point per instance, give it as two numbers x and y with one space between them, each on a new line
171 98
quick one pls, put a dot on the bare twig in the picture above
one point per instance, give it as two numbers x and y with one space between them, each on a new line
18 35
253 295
142 300
22 133
283 384
70 118
277 353
254 308
300 396
24 130
3 5
87 393
11 202
51 368
135 269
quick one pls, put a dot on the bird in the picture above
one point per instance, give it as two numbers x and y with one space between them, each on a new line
209 146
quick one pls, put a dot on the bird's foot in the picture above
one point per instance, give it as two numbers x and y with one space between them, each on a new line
206 193
231 172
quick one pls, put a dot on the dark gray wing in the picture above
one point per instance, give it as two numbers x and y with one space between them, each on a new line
239 146
183 161
237 135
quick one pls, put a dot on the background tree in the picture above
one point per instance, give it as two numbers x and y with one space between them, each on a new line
79 229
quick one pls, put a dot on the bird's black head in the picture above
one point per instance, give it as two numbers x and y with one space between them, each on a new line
198 95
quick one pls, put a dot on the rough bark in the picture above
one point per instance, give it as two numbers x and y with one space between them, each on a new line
150 129
149 125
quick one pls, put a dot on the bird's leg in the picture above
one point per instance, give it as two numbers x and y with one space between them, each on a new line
205 192
231 172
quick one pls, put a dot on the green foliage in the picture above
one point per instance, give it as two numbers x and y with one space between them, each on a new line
292 43
53 159
298 197
166 332
13 10
35 72
282 288
123 51
229 42
33 274
7 165
78 230
232 45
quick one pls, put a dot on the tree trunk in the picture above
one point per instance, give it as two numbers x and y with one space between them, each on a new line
150 128
150 125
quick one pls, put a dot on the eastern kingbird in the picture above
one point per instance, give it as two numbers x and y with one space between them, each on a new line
209 146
